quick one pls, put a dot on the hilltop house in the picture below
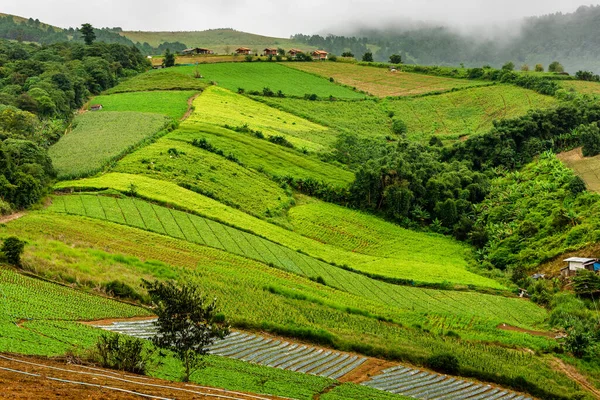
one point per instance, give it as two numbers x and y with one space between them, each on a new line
243 51
96 107
294 52
319 55
197 50
269 51
575 264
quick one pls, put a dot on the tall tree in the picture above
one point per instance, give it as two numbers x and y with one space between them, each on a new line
87 30
169 59
187 322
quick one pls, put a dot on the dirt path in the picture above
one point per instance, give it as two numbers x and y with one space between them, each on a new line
190 104
7 218
572 373
42 378
505 327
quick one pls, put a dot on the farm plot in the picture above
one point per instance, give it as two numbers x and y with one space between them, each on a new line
261 350
257 76
381 82
367 118
466 112
208 173
262 155
99 138
403 252
169 193
170 103
581 87
487 307
160 79
221 107
587 168
428 385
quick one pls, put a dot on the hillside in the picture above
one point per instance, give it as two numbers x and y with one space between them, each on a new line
223 41
365 233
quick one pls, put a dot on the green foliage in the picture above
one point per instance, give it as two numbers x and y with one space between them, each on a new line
13 248
509 66
101 137
87 31
590 139
123 353
160 79
556 67
539 68
187 322
168 59
367 57
396 59
445 363
586 283
577 185
122 290
399 127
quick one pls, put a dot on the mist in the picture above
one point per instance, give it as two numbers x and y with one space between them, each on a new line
284 18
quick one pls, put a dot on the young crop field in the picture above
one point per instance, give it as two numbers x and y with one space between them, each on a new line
221 107
160 79
277 77
416 254
208 173
582 87
466 112
381 82
262 155
367 118
101 137
587 168
207 232
309 304
170 103
169 193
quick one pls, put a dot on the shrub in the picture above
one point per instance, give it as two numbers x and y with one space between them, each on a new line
539 68
122 290
556 67
367 57
123 353
509 66
399 127
13 248
249 58
590 139
396 59
576 185
445 363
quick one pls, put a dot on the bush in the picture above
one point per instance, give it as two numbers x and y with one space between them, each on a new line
399 127
445 363
556 67
249 58
367 57
122 353
576 185
539 68
509 66
590 139
122 290
5 208
13 248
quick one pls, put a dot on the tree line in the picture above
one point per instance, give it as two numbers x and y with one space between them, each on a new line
40 87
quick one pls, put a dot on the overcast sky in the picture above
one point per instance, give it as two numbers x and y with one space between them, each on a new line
277 17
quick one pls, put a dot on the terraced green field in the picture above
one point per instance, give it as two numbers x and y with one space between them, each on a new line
170 103
168 193
221 107
582 87
466 112
262 155
368 118
204 172
161 79
101 137
381 82
260 75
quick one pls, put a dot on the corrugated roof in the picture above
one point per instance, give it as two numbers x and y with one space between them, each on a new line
579 259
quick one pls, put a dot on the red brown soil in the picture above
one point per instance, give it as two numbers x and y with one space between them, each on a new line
101 383
505 327
369 368
572 373
7 218
189 110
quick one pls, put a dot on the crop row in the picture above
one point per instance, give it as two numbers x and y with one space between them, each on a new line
427 385
204 231
261 350
24 298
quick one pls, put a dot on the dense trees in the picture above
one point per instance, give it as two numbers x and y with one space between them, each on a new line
40 86
87 31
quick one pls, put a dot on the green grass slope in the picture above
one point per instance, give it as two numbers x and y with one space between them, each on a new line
381 82
170 103
99 138
160 79
221 107
465 112
204 172
168 193
260 75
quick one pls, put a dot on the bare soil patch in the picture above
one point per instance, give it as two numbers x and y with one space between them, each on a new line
370 368
505 327
7 218
42 378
